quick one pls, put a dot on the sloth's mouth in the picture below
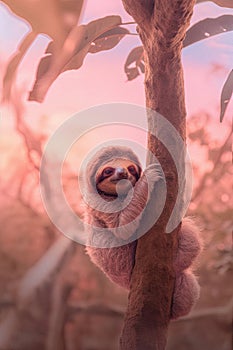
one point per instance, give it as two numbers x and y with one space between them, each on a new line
117 180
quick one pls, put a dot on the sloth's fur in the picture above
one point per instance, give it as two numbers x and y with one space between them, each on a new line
118 262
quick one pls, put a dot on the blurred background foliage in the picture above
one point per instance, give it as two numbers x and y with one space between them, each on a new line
74 306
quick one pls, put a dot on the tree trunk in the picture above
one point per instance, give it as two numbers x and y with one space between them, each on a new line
161 26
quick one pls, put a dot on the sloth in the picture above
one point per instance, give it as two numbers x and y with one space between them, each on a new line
112 174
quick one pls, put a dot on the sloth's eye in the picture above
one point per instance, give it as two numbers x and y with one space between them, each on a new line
108 171
132 170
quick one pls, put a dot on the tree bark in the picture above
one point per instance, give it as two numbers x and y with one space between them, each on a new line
161 26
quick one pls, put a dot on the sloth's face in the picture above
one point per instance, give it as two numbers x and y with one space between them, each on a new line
110 178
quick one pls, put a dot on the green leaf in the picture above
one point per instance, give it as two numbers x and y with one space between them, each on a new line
72 55
55 18
108 40
135 58
226 94
208 27
52 17
14 63
199 31
222 3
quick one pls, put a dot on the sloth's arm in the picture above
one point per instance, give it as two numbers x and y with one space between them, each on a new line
125 223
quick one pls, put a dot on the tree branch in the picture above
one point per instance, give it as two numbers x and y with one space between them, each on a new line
140 10
152 283
56 336
175 17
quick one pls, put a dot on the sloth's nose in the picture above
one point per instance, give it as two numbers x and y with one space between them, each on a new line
121 173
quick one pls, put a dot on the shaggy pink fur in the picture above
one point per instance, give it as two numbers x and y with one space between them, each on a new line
118 262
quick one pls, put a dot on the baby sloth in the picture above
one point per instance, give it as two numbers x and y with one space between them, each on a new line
115 174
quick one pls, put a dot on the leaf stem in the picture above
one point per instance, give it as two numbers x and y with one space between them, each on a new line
128 23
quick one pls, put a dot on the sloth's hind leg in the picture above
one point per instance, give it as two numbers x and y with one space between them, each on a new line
186 293
189 245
